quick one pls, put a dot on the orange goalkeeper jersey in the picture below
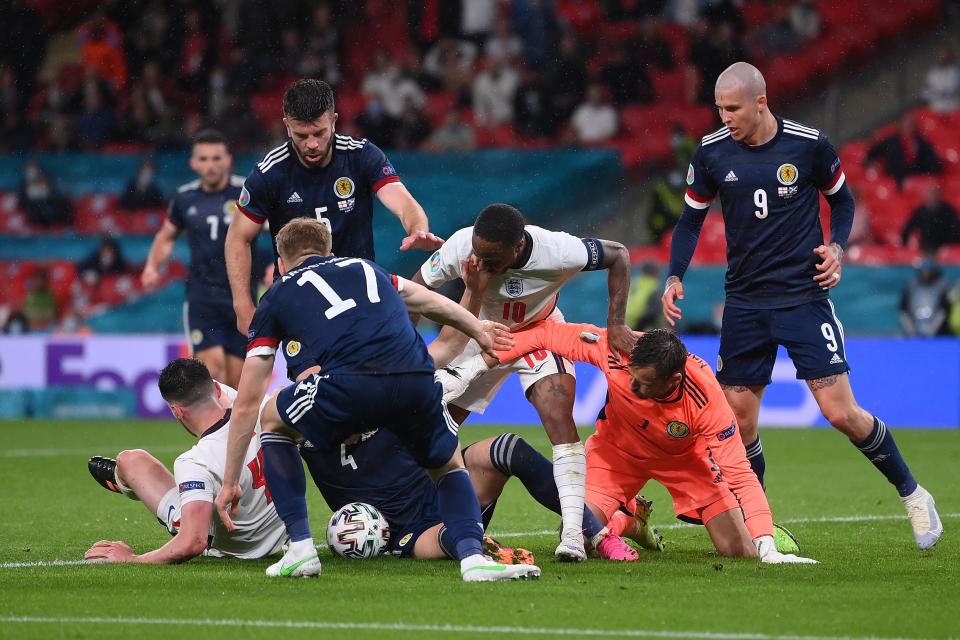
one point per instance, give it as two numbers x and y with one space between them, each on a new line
695 422
696 415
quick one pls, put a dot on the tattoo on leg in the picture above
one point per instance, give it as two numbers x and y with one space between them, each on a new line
556 389
737 388
822 383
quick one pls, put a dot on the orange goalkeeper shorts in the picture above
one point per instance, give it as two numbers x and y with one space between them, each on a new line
614 478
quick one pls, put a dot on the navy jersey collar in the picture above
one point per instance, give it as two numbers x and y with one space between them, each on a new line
219 424
769 143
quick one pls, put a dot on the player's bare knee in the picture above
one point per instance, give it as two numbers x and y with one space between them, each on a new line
843 417
129 460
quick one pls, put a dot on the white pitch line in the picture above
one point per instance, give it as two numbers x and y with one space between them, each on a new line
543 532
44 563
429 628
684 525
51 453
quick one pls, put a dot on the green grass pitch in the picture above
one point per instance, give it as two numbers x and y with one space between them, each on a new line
872 581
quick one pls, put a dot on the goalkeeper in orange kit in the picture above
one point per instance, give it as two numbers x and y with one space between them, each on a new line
665 419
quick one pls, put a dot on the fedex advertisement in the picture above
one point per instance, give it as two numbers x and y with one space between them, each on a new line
908 383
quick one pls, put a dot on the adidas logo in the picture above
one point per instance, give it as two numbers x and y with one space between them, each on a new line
836 359
731 177
294 197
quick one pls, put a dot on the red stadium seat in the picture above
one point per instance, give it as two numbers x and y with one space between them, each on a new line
142 222
439 104
949 254
97 214
671 86
916 187
876 254
114 289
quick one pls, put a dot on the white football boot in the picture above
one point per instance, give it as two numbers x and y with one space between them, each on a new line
299 561
922 511
571 548
478 568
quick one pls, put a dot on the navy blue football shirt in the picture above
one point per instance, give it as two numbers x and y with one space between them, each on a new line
769 194
378 470
344 314
205 216
280 189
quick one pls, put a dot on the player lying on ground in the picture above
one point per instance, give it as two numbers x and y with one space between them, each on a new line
376 469
769 173
376 374
527 267
665 419
183 501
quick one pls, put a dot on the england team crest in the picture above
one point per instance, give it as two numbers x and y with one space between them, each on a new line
787 174
343 187
514 287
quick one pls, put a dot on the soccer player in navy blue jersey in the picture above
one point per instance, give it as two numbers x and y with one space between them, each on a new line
204 209
769 173
375 372
319 174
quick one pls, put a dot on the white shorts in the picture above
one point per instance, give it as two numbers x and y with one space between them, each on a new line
168 511
531 368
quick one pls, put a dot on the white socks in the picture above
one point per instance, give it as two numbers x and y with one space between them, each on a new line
570 474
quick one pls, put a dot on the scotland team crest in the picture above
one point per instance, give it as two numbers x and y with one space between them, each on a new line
677 429
343 187
787 174
514 287
293 348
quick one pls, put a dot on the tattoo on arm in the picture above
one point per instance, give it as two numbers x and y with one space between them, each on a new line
822 383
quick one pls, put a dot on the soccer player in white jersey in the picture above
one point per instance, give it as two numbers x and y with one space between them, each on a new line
528 266
183 501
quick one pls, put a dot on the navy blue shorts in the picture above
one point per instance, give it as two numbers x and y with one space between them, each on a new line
810 332
404 537
212 324
327 409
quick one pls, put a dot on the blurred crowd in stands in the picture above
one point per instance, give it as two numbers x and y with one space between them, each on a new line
440 75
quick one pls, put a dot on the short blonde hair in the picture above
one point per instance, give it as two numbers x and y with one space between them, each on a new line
303 237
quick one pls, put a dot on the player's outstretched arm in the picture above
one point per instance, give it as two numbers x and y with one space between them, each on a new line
238 253
434 306
616 259
254 380
159 254
401 203
190 541
578 342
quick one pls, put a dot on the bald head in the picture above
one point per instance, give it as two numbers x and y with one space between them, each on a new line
742 76
741 97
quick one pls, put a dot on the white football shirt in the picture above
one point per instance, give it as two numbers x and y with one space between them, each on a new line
520 296
199 476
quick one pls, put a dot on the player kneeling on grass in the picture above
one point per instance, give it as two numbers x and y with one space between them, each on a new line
376 373
666 419
183 501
